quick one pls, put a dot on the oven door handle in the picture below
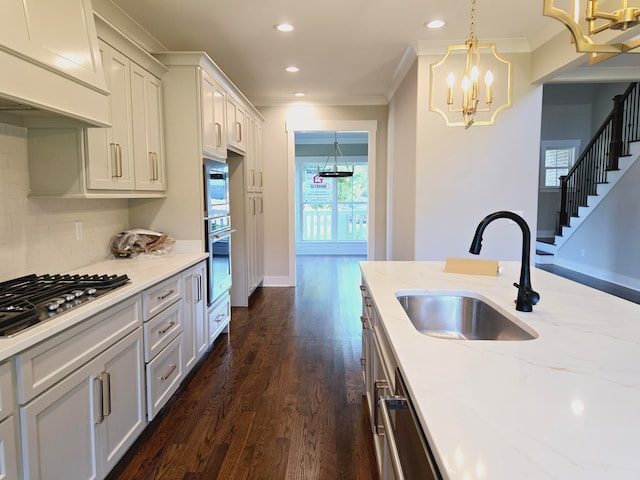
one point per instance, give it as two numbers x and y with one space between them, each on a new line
219 236
390 440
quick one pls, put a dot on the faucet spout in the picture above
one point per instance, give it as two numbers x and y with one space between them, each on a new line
527 297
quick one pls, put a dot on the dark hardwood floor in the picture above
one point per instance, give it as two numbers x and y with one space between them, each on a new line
279 398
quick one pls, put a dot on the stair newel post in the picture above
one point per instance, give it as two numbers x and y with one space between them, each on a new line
564 215
615 149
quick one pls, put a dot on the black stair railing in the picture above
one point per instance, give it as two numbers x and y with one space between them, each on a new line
609 143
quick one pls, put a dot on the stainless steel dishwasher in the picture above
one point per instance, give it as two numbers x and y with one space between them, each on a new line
407 455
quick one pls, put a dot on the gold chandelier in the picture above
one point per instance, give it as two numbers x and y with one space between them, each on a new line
597 21
480 92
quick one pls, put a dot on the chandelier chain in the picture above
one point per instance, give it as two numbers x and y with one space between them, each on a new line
472 25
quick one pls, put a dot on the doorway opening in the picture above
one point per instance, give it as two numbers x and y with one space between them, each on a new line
337 215
331 213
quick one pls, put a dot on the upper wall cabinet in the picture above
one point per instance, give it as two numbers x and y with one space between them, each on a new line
236 125
51 50
129 155
214 125
124 160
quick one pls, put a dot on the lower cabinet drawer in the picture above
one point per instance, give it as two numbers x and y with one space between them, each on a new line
161 329
8 451
219 316
164 374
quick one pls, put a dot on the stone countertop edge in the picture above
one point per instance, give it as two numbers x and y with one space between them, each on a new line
143 272
564 405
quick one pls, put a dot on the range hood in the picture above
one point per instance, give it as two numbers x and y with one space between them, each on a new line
51 61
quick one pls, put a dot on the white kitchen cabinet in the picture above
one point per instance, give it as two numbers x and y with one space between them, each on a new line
214 125
379 366
130 154
80 427
163 341
219 317
125 160
148 130
8 440
110 150
236 125
194 319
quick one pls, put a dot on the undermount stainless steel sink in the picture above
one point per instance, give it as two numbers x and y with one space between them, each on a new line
460 317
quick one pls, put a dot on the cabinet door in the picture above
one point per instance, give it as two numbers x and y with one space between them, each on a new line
59 429
8 450
109 164
123 398
214 133
194 330
236 125
146 114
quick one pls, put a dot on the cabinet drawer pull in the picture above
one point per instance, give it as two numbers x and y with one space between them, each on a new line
168 294
119 171
167 328
100 396
168 374
200 294
363 361
380 387
114 160
239 132
106 394
218 134
220 317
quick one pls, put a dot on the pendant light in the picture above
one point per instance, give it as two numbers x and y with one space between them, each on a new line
336 171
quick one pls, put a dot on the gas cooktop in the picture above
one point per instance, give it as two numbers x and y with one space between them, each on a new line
32 299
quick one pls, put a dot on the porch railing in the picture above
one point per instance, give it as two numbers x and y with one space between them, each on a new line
609 143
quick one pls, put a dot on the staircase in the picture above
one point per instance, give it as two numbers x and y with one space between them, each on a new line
613 149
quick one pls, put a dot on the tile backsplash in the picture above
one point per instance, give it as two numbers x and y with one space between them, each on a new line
48 235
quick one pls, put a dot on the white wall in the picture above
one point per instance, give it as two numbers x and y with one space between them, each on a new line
605 245
37 235
401 169
463 175
276 192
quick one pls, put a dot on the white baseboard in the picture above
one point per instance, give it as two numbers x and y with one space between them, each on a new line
608 276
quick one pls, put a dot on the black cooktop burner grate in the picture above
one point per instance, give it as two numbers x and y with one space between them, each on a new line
29 300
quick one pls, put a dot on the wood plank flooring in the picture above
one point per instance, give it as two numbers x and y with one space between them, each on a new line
279 398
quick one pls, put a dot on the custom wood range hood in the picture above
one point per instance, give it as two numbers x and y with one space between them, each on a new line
47 74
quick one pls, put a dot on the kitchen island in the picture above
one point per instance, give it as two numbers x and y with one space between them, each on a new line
564 405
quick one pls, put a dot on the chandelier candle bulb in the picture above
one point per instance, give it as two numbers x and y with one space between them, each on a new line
451 80
488 80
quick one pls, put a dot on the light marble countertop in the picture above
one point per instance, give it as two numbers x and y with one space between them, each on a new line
565 405
143 272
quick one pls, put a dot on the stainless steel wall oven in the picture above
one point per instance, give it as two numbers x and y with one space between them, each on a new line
217 227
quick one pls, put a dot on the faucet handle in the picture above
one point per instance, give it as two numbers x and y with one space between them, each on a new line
531 296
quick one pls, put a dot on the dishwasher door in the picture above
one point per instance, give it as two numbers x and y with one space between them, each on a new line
407 455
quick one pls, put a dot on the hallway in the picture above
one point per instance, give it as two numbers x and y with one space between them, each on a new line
280 398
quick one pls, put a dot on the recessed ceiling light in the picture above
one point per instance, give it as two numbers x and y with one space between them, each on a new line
292 69
435 24
299 94
283 27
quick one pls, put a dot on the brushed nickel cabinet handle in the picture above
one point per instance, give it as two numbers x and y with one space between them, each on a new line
100 396
220 317
168 374
380 387
162 331
119 148
169 293
198 298
106 394
114 160
239 132
218 134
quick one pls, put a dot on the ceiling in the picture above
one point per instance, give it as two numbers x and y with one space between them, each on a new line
348 51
